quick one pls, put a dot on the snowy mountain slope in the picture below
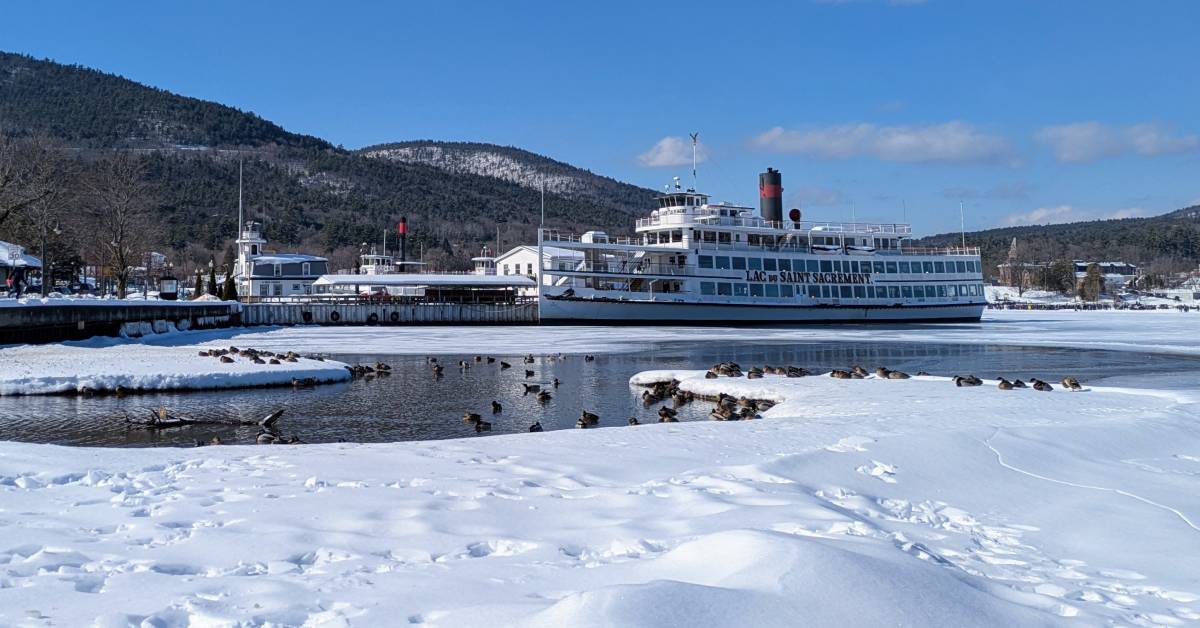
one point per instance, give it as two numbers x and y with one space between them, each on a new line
515 166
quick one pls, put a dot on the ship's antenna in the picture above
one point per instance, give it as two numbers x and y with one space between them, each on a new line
240 217
543 222
695 142
962 224
904 209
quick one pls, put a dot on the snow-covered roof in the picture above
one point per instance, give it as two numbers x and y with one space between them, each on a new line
427 279
547 251
286 258
13 255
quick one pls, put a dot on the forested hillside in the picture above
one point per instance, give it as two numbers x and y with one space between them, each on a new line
314 195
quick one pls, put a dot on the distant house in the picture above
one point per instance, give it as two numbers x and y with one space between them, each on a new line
1116 274
260 274
523 260
1026 274
13 256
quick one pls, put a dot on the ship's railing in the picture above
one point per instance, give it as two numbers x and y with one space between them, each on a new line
714 219
551 237
942 250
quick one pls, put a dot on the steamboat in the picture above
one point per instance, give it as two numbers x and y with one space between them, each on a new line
696 262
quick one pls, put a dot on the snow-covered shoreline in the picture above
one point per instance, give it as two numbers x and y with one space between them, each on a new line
852 502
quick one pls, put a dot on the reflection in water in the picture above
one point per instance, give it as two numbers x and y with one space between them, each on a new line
412 404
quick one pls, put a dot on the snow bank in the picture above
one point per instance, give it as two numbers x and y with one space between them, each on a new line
854 503
104 366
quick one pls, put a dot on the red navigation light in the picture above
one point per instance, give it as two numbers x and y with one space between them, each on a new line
794 215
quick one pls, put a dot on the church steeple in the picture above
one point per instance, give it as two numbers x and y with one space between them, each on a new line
1012 250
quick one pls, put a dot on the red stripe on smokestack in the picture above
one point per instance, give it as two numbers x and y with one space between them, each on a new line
402 227
770 191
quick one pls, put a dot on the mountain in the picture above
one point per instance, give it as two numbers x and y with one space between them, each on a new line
514 165
314 196
1160 244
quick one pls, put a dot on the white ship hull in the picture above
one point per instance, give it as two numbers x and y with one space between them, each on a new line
634 312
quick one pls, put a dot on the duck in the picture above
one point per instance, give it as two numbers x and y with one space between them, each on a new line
795 371
504 365
437 370
555 382
1019 384
897 375
592 419
491 360
881 372
479 358
1070 383
581 424
633 421
531 388
859 370
754 373
266 438
528 373
226 359
463 364
710 375
543 396
721 413
1004 384
922 374
529 359
483 426
275 361
203 354
536 427
1042 386
471 417
496 407
589 358
839 374
666 413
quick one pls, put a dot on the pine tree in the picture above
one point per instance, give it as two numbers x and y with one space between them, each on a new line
1093 284
212 280
229 290
199 289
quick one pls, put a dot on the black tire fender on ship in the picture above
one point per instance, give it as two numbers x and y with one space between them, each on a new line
372 318
395 317
334 316
306 316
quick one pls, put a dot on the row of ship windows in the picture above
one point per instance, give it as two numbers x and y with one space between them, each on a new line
787 291
724 262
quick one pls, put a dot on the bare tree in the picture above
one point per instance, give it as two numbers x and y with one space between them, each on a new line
28 173
120 201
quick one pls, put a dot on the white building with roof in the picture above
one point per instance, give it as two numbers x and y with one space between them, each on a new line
261 274
13 256
523 260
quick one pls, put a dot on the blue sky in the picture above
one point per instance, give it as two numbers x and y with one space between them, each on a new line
1026 111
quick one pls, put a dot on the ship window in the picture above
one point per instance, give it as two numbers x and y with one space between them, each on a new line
677 235
907 291
785 264
814 292
939 267
951 290
710 236
859 292
278 269
854 266
756 290
708 287
739 290
893 292
295 287
306 269
930 292
904 267
870 292
844 292
961 266
739 263
753 240
837 266
706 261
919 292
812 265
722 262
928 267
962 290
826 266
723 237
755 263
974 267
773 290
769 264
891 267
941 291
724 289
878 268
827 291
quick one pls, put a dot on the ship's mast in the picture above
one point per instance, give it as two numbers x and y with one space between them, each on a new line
695 142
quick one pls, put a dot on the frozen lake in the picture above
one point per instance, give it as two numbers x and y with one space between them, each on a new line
412 404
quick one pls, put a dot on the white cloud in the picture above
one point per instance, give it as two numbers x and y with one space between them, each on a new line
672 151
1069 213
1089 141
950 142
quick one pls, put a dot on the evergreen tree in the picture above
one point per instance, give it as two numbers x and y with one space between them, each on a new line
212 280
199 289
1093 284
229 290
1059 277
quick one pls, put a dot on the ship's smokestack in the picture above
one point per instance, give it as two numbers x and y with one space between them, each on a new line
402 230
770 195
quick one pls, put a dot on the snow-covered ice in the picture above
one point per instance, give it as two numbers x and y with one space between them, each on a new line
103 364
851 503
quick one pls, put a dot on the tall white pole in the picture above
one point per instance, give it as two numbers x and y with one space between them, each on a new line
962 224
695 142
